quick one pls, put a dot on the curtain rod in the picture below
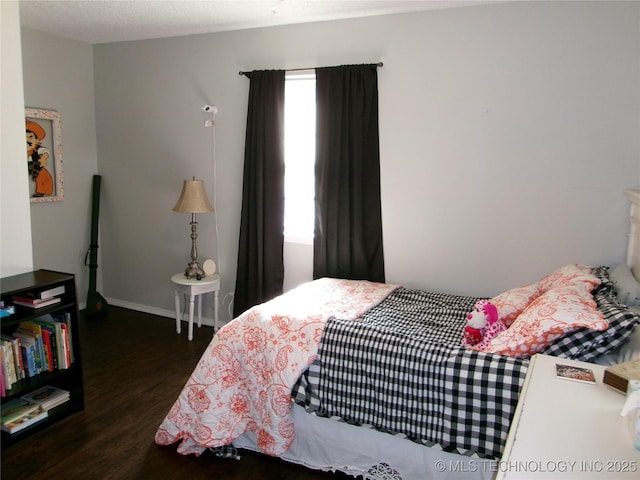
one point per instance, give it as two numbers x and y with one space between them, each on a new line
379 65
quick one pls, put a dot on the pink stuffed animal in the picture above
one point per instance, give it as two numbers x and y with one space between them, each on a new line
483 325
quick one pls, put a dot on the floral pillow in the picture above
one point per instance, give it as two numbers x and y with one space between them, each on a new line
570 275
513 302
556 312
590 345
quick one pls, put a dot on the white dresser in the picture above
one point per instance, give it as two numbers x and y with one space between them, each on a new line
564 429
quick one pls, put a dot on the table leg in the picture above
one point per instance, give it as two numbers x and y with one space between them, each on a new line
191 304
199 311
177 302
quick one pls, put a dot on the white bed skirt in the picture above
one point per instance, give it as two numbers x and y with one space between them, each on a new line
324 444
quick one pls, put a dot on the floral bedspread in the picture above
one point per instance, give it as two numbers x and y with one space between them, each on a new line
244 379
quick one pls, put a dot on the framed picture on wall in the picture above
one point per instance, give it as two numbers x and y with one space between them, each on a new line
44 155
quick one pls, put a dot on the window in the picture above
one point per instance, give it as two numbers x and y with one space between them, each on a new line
299 156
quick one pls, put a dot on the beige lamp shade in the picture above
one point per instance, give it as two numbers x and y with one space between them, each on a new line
193 198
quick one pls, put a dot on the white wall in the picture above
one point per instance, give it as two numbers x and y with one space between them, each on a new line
521 133
508 134
58 75
15 228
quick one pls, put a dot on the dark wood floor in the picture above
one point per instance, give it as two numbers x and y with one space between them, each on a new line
135 365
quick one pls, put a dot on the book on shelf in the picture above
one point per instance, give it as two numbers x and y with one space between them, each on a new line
576 374
8 364
35 302
48 352
17 354
59 339
16 408
47 397
51 339
28 353
40 295
7 310
66 332
64 318
50 293
34 330
25 421
618 376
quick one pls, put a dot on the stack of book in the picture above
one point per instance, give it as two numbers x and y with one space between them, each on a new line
39 299
47 397
18 414
35 302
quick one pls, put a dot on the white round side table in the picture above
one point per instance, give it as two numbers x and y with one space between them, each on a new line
195 288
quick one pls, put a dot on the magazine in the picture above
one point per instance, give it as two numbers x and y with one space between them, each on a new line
577 374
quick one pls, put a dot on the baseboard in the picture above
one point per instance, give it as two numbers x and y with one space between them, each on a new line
151 310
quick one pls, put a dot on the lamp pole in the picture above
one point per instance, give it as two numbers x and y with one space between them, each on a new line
194 269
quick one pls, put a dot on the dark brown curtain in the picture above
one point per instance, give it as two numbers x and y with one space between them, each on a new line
348 228
260 266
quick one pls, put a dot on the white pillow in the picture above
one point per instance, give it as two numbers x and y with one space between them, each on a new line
625 285
627 352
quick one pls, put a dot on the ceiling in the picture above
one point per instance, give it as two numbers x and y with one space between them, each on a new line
103 21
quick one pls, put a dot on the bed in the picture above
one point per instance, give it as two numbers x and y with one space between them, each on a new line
373 379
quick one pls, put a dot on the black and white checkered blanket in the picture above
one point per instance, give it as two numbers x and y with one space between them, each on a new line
401 369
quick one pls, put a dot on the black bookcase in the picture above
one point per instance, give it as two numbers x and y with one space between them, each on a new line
70 379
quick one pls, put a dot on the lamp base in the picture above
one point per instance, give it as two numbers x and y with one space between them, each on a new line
194 270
